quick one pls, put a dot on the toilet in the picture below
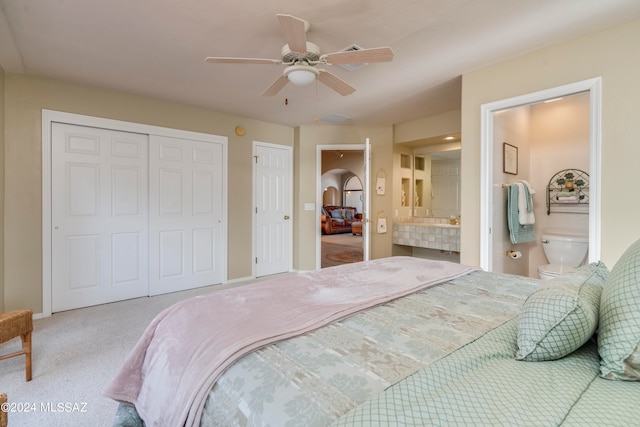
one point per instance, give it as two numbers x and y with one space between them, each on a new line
564 253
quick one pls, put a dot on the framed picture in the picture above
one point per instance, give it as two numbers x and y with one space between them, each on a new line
510 159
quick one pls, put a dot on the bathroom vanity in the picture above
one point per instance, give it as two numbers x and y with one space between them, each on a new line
429 233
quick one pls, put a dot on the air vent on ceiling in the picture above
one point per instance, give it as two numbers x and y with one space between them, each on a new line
335 118
351 67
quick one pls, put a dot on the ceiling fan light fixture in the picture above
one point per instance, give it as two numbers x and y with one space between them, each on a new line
301 75
301 56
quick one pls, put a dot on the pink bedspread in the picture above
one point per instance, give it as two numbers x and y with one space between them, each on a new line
188 346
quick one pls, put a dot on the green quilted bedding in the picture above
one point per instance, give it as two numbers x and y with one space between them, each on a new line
444 356
314 379
483 384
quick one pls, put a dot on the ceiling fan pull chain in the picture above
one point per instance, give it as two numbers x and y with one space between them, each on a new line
317 101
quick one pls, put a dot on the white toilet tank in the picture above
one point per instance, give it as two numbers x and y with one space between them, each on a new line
565 250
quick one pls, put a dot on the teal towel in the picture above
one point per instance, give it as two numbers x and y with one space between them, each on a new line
519 233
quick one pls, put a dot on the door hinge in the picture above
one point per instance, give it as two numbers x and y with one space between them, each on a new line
256 260
256 157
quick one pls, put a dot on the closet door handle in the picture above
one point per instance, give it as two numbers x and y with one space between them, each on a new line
286 217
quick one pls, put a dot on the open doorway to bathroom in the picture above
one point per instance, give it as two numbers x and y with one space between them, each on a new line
551 131
342 207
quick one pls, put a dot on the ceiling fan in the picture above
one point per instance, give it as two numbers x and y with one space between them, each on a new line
301 57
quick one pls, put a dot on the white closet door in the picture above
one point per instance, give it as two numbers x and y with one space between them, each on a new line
186 212
99 216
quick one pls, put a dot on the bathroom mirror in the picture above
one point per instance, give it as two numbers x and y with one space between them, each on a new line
429 177
443 196
436 181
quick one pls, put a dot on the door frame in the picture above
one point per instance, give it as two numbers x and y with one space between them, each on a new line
591 86
51 116
366 203
254 224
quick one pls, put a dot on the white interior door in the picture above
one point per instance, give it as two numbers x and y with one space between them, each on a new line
186 214
366 217
99 216
273 208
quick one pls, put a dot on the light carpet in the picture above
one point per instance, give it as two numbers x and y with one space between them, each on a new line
75 354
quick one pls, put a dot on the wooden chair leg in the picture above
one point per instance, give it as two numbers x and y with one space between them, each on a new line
3 414
26 346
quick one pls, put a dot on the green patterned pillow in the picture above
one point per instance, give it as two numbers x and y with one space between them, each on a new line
562 315
619 335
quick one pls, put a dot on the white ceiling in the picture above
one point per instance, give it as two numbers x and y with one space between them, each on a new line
156 48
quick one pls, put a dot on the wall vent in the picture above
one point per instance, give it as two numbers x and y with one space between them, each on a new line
351 67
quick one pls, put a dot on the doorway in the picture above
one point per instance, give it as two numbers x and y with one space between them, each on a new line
342 210
341 183
494 243
342 207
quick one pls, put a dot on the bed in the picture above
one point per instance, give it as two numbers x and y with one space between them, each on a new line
445 348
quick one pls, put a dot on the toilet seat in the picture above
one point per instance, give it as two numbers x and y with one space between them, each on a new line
549 271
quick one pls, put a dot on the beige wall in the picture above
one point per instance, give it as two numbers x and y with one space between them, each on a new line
612 54
1 190
24 99
421 129
306 224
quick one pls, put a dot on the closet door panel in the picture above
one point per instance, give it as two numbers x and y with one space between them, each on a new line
185 194
99 216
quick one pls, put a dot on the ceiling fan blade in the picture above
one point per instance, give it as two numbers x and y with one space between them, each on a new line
294 31
378 54
276 86
229 60
335 83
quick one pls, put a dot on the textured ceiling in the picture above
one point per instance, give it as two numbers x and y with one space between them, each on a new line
156 48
